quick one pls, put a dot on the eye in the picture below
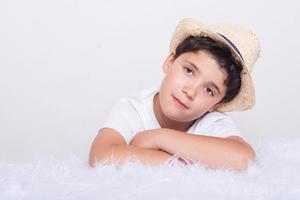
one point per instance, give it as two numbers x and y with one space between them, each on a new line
188 70
210 91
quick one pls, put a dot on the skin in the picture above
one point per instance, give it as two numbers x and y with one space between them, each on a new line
193 88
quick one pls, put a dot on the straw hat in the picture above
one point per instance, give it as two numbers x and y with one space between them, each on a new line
244 46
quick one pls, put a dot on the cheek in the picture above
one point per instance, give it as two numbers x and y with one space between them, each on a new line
204 103
173 80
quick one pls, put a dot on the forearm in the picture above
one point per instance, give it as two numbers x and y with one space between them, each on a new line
212 151
118 154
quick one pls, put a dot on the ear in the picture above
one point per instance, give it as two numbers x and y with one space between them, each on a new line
168 61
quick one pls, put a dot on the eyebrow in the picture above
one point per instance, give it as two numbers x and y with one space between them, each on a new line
197 69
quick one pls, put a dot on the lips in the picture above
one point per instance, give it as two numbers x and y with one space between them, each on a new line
180 102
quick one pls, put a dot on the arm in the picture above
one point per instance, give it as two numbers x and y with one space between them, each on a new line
109 145
214 152
118 154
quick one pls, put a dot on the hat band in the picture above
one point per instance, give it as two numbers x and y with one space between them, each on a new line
231 44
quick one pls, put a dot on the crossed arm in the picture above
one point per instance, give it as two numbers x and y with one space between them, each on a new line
214 152
160 144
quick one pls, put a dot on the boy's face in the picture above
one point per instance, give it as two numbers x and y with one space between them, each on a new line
196 80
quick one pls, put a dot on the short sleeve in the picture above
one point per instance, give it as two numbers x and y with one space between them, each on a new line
124 118
219 125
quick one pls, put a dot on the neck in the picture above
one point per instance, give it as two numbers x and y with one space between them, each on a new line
164 121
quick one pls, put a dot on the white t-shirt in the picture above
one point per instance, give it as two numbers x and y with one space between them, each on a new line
131 115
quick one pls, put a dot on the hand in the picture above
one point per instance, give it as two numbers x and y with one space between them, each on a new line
145 139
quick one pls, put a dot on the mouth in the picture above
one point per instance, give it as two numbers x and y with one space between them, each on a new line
180 103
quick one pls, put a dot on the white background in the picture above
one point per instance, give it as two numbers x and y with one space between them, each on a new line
63 64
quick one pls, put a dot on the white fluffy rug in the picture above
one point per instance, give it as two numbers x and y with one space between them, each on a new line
273 176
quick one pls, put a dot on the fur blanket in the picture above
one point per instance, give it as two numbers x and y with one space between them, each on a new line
272 176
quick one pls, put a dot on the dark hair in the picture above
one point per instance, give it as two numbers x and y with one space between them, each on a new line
222 55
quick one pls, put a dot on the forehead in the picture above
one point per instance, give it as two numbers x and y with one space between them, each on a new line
202 56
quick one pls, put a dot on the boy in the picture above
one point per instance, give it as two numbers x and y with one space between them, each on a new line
206 73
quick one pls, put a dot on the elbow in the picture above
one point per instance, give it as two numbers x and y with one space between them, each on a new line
92 159
95 160
246 159
100 156
91 162
92 156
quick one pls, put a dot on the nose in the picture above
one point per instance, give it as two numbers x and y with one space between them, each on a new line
190 91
